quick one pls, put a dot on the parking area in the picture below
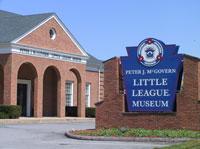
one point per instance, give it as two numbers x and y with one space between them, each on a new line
51 136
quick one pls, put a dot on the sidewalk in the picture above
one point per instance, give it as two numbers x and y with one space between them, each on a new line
34 120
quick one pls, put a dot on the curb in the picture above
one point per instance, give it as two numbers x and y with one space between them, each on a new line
44 120
127 139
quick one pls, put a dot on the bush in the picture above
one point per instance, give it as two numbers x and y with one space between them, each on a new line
10 111
3 115
90 112
71 111
140 132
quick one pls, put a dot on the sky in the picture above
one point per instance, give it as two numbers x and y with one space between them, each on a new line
106 27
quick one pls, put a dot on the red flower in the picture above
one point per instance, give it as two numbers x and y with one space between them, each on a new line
159 57
141 58
149 41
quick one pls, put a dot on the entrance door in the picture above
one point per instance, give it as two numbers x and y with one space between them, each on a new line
23 96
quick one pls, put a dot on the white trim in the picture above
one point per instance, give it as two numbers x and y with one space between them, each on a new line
72 99
33 29
62 26
42 53
28 100
70 35
53 31
72 92
89 94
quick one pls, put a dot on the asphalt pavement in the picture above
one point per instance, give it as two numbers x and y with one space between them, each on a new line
51 136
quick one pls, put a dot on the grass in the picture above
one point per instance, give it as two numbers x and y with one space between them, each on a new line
193 144
139 132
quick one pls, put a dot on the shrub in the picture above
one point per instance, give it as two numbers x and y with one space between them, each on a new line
3 115
90 112
10 111
140 132
71 111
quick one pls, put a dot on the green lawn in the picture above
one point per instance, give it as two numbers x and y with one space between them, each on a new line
194 144
125 132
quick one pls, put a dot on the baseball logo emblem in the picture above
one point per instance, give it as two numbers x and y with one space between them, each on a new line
150 52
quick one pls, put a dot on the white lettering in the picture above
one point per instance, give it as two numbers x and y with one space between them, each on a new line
151 92
151 82
150 71
150 103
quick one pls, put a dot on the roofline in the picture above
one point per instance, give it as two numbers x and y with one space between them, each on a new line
8 12
115 57
70 35
31 30
62 26
191 57
95 71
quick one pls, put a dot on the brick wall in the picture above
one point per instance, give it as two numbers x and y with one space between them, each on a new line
93 79
11 64
50 85
40 38
1 84
5 62
111 111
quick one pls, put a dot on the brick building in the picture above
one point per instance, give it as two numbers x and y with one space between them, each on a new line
43 68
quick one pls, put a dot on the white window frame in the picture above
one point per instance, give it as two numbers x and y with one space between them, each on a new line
72 93
53 35
88 95
28 99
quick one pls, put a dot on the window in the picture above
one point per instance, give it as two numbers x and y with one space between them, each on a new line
69 93
87 95
52 33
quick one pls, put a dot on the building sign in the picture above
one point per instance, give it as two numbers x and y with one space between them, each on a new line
152 74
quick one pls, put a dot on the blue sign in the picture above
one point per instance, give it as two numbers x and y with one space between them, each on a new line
152 74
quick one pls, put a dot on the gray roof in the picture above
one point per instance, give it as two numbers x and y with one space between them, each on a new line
7 14
13 25
93 64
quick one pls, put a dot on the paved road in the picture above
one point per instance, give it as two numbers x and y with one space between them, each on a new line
51 136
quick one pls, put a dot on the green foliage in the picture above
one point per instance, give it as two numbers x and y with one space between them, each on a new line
3 115
140 132
10 111
90 112
72 111
193 144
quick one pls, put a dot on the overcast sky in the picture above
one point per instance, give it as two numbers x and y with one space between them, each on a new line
105 27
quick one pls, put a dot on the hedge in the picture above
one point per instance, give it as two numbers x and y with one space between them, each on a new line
3 115
10 111
72 111
90 112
